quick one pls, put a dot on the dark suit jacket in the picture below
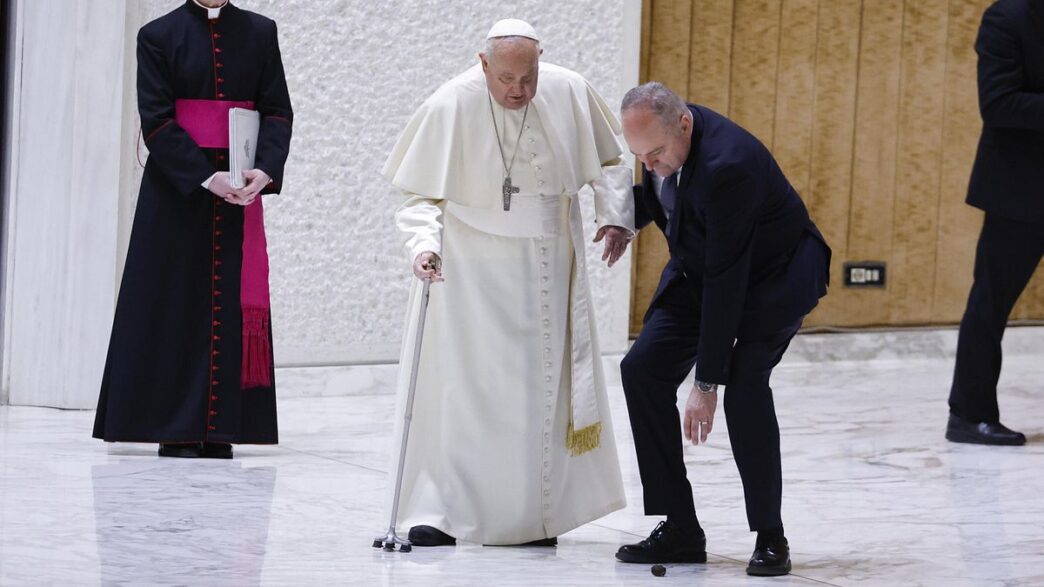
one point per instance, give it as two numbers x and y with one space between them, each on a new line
741 241
1008 176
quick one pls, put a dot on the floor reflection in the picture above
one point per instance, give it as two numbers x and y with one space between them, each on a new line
153 517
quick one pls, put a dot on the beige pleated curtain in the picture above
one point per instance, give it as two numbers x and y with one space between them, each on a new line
871 108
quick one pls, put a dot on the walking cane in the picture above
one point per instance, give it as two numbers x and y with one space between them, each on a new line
390 540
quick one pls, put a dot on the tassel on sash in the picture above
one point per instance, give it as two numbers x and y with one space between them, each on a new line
584 440
257 348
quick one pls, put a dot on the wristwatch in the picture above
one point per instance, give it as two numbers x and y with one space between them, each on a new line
706 387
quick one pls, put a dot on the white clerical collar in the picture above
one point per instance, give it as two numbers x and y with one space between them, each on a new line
212 13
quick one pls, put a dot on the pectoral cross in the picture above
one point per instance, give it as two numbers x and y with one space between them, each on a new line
507 190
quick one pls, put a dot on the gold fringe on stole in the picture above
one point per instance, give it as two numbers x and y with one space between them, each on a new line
585 440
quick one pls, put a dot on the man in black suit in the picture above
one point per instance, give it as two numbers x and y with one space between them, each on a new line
746 265
1007 182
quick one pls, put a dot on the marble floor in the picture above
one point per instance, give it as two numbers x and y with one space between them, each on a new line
873 493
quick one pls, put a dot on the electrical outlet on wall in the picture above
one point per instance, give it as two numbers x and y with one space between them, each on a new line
864 274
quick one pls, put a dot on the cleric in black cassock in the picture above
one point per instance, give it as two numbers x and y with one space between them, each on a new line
190 359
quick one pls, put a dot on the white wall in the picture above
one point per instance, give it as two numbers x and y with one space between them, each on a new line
357 69
61 199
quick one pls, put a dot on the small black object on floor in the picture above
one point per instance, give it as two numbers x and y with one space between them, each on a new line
659 570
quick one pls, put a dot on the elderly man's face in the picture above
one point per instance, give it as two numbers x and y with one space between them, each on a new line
661 147
511 72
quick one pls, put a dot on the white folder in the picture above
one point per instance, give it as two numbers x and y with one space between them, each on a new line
243 125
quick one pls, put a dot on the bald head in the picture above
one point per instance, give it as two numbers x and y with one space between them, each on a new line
511 66
657 99
657 126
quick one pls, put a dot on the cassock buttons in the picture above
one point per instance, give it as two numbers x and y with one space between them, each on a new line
547 378
217 49
547 336
220 95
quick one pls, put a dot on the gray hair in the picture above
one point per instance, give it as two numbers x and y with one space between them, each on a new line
491 44
658 99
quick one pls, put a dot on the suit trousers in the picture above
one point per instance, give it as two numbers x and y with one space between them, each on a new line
652 371
1006 257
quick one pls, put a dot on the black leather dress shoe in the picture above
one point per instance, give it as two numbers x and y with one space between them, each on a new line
771 557
542 542
429 536
217 450
667 544
960 430
181 451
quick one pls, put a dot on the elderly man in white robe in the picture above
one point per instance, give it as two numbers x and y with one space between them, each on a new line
511 437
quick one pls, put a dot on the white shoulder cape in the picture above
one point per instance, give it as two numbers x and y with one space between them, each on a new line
448 149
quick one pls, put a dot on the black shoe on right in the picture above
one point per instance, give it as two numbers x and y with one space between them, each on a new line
960 430
181 451
430 536
771 557
668 543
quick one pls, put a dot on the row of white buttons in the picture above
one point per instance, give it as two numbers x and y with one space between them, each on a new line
532 158
545 312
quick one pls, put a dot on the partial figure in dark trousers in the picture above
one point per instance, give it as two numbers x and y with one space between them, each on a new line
747 264
190 358
1007 182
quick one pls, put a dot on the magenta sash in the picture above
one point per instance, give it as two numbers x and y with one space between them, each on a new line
206 121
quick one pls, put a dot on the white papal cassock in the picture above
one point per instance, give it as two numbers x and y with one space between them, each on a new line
511 439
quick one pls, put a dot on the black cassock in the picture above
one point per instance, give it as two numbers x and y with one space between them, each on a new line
173 372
